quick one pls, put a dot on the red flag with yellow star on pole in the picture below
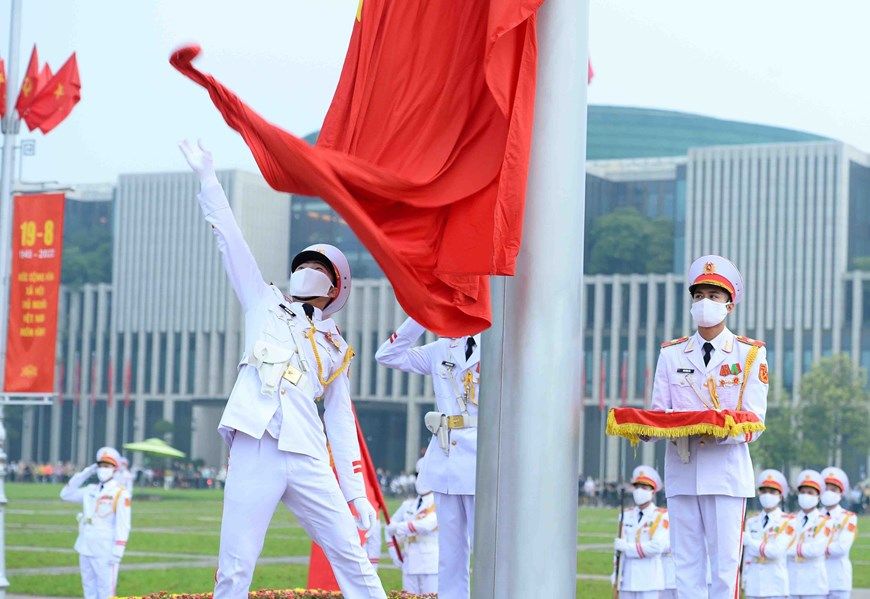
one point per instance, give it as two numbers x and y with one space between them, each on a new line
424 151
29 84
56 100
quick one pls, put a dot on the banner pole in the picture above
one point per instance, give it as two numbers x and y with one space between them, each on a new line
10 126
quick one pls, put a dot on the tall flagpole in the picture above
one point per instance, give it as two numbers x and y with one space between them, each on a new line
10 132
531 408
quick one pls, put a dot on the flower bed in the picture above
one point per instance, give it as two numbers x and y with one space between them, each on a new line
280 594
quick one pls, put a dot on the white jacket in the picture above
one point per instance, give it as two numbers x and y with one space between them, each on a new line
680 385
104 522
807 574
444 360
844 527
269 314
765 573
417 534
648 538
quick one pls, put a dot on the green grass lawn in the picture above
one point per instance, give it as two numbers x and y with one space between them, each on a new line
181 528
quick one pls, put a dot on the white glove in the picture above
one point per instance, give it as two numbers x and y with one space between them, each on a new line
90 470
200 160
366 514
620 545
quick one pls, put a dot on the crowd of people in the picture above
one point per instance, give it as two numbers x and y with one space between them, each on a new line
179 475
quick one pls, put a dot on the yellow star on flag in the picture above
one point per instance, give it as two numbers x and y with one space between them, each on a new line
58 93
359 11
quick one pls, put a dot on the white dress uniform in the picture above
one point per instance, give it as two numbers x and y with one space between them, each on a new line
766 541
416 529
844 527
276 437
706 499
104 527
644 539
449 472
807 574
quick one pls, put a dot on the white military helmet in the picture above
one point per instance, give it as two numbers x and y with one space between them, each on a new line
647 475
835 476
772 479
110 455
332 256
811 479
719 272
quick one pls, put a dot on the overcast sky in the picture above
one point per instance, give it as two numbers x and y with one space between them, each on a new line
791 63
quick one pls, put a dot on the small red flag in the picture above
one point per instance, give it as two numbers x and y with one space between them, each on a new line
29 85
110 391
56 100
127 384
44 77
2 88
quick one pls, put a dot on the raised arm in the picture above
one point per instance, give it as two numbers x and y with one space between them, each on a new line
239 262
397 351
73 491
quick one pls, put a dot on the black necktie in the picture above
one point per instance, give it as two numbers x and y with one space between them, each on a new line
309 310
708 349
419 502
469 347
765 521
639 516
805 521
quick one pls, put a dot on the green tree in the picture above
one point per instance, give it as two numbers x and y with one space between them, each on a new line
626 242
833 417
87 257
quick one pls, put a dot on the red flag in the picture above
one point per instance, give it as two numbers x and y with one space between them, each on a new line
127 384
44 77
602 383
320 575
29 84
56 100
424 151
2 88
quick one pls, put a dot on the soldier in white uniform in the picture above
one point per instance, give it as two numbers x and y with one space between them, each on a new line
415 526
807 575
644 538
766 540
844 527
294 357
104 524
707 480
451 459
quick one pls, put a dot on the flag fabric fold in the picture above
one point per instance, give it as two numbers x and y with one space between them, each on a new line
29 83
424 150
2 88
56 99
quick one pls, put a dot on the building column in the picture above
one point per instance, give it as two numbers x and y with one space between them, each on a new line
54 442
28 422
412 435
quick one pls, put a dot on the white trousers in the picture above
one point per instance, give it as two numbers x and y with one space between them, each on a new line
99 577
639 594
706 527
668 594
839 594
258 477
455 540
420 584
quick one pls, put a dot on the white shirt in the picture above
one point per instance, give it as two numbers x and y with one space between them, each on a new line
807 574
844 527
766 541
291 412
681 385
417 534
648 537
104 522
444 360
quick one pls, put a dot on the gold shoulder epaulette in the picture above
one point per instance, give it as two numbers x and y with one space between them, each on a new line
674 341
748 341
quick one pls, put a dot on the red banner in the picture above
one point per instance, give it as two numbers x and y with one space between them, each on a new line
37 232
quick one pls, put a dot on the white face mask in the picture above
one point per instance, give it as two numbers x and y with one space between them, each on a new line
768 500
642 496
831 498
307 282
707 313
808 501
105 473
